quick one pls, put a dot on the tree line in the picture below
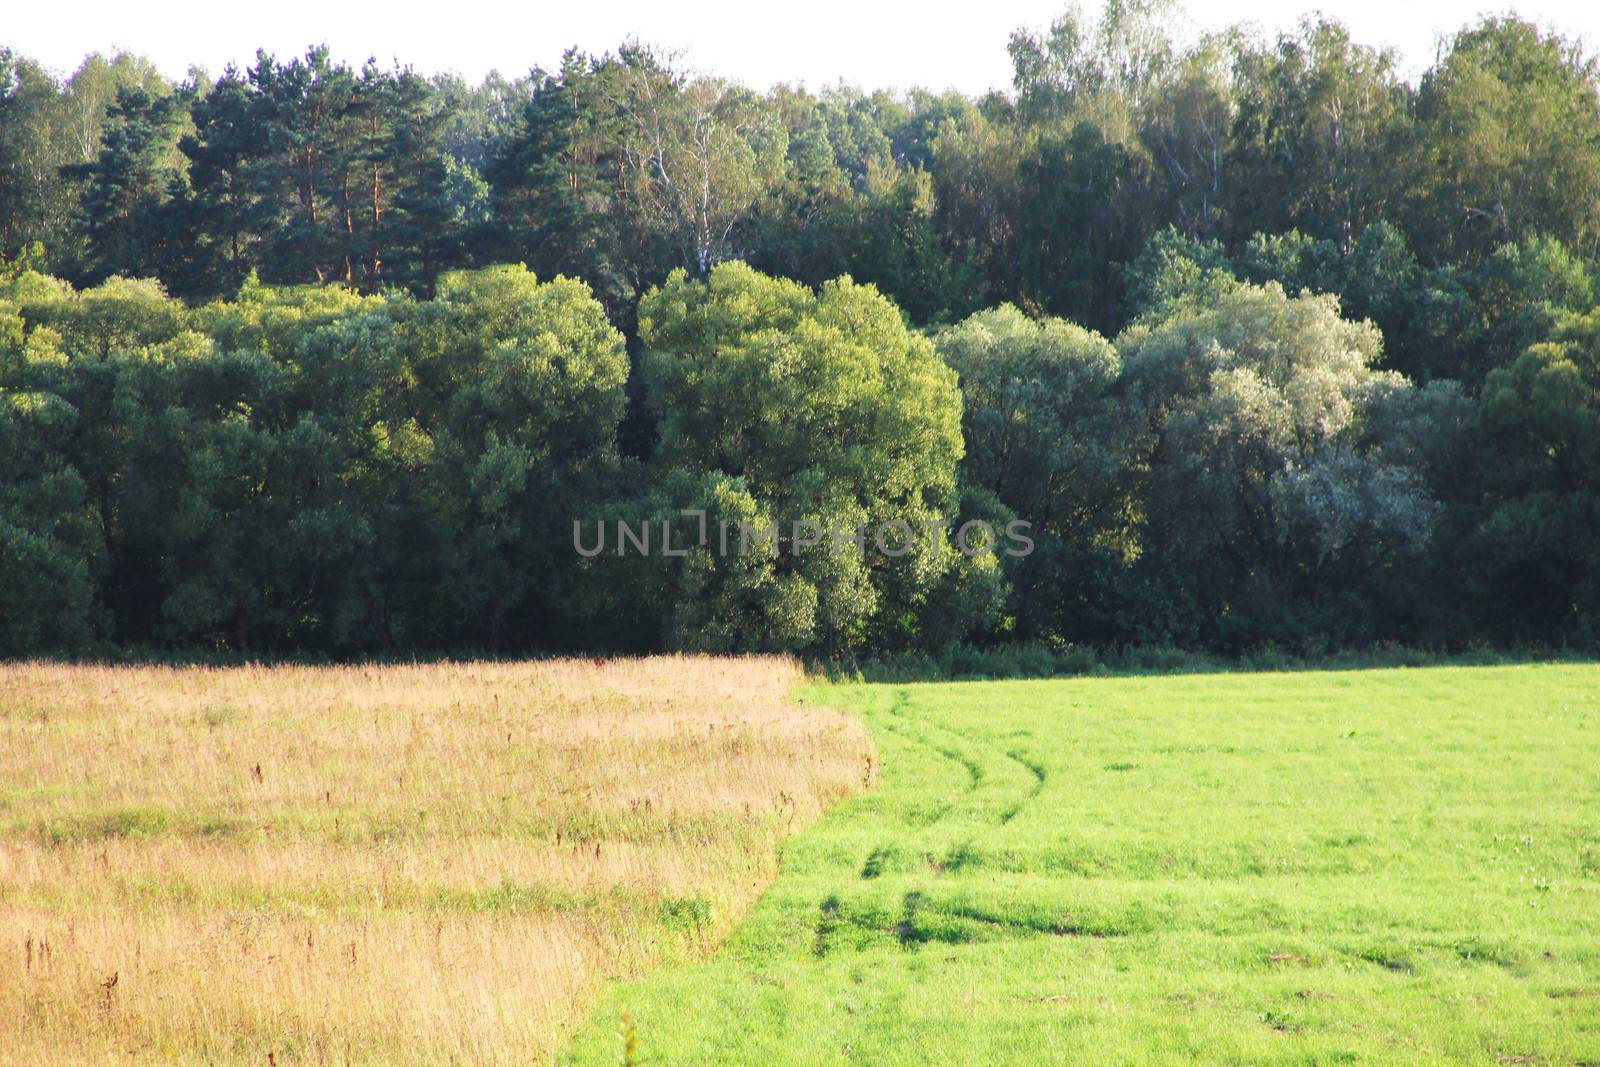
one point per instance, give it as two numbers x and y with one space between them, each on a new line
1270 345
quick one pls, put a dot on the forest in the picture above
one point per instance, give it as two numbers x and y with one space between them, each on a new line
1271 345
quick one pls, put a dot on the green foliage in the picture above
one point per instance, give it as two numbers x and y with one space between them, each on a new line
827 410
1173 272
529 379
1320 123
1521 291
130 184
1293 260
1047 434
206 452
1536 545
1266 502
1507 143
302 468
50 555
1073 211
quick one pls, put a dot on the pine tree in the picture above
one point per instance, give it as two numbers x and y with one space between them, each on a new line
123 210
229 209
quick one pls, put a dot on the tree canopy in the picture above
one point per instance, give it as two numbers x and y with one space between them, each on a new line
1263 342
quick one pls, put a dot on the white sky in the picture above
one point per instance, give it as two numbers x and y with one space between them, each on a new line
873 43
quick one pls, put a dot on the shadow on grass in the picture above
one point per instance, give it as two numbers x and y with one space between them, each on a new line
963 664
956 664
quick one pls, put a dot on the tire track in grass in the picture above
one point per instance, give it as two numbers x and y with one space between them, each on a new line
888 870
962 750
933 919
918 730
1000 784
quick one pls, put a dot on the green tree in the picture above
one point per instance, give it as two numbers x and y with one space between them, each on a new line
554 175
1533 556
124 206
1320 126
440 202
1266 506
696 156
228 208
1173 272
1047 434
1075 221
312 133
1102 71
828 411
1507 144
529 378
30 187
1521 292
51 550
1187 131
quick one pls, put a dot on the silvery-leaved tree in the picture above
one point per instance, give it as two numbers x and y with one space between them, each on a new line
1270 490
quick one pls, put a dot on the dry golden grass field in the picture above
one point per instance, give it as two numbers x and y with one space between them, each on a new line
413 864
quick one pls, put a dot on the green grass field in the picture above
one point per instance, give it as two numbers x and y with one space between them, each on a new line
1389 865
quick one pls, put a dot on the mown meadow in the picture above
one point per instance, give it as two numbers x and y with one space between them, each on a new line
1315 867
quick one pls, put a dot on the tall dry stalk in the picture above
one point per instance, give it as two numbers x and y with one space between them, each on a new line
414 864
